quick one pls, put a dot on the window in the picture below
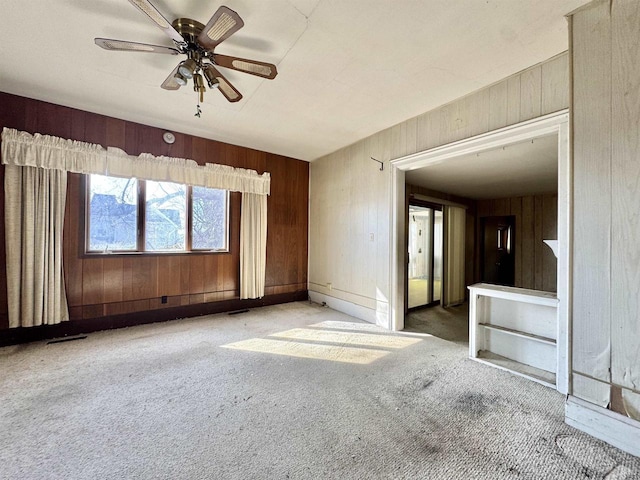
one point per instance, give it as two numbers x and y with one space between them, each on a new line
130 215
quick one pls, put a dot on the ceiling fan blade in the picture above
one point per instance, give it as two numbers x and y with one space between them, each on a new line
228 90
125 46
224 23
261 69
170 82
146 7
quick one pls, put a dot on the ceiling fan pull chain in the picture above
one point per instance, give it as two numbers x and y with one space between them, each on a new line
198 111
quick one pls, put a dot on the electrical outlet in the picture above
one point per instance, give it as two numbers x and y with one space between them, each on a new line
163 299
329 286
371 237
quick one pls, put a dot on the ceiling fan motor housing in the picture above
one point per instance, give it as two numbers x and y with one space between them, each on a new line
189 29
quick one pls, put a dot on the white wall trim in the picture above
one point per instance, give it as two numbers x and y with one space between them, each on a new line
439 201
537 127
350 308
554 123
398 255
611 427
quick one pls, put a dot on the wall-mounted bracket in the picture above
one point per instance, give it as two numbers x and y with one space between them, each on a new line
381 163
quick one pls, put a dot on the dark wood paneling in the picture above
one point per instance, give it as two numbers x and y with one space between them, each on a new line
138 313
527 233
127 287
286 232
12 113
538 245
549 232
536 220
112 271
116 133
516 210
92 280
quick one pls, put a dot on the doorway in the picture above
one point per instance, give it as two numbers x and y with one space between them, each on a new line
552 124
497 250
425 255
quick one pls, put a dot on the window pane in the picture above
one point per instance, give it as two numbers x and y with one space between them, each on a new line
209 225
113 213
165 216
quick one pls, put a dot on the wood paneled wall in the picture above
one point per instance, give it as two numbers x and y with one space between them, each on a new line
350 209
124 284
606 224
536 220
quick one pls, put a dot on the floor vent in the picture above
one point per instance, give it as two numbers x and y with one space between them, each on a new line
68 339
238 312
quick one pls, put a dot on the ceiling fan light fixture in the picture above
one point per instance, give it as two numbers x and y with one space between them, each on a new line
188 68
197 43
212 81
180 79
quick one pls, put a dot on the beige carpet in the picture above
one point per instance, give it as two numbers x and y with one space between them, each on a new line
286 392
450 323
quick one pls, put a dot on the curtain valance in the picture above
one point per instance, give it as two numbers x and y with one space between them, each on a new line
44 151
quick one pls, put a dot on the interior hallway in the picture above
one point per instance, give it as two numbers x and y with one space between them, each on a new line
450 323
289 391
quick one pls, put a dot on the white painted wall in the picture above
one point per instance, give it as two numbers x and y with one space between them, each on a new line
606 251
349 230
350 198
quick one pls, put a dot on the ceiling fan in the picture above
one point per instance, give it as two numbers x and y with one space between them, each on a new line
197 42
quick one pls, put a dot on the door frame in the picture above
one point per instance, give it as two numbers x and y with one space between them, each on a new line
435 207
554 123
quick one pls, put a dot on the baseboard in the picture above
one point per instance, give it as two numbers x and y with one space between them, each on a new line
615 429
14 336
350 308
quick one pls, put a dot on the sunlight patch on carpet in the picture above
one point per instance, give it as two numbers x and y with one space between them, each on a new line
316 351
347 342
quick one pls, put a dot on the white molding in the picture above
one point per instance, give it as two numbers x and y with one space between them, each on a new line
537 127
515 294
565 218
350 308
439 201
611 427
398 256
554 123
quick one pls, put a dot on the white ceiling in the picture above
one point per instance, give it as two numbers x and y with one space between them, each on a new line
526 168
347 68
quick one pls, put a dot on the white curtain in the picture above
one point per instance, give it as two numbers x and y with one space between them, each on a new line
253 245
454 285
34 220
24 149
52 157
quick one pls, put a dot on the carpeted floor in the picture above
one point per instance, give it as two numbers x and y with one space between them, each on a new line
450 323
285 392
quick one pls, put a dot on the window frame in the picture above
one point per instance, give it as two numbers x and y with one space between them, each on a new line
141 223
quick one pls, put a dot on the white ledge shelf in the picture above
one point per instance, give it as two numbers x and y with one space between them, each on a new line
517 333
524 295
537 375
514 329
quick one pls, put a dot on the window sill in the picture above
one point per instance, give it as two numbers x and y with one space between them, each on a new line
147 254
